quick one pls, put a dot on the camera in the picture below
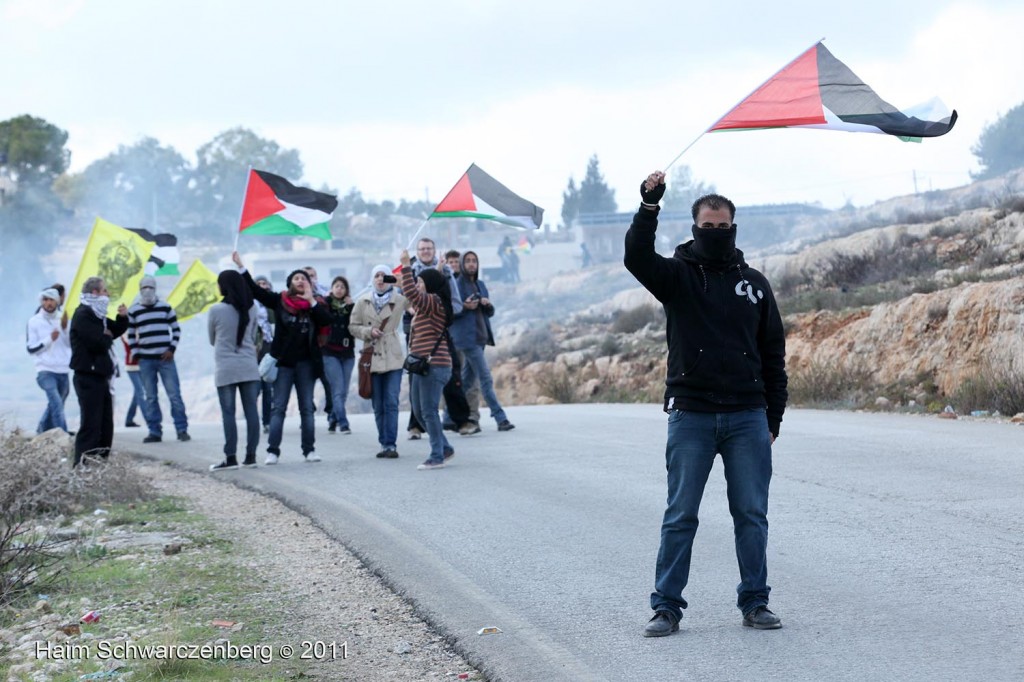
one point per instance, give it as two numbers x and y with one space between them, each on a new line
389 279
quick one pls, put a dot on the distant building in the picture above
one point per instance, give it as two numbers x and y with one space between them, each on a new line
329 263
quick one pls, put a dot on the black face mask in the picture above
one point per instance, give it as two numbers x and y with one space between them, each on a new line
713 244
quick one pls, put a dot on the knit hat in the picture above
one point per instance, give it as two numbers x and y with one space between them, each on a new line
261 278
49 293
292 274
147 282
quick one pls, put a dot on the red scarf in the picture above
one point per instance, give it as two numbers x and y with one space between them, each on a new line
293 305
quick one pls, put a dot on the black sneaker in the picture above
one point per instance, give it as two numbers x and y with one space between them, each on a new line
390 453
449 453
250 462
506 426
226 465
152 438
131 425
184 437
332 427
762 619
663 624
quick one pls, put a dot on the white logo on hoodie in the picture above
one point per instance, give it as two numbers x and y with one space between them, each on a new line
745 288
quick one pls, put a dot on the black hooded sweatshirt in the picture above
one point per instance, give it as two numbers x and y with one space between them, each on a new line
726 344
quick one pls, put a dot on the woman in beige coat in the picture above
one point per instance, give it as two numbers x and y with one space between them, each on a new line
383 304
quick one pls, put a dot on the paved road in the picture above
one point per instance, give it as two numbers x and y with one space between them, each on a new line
896 549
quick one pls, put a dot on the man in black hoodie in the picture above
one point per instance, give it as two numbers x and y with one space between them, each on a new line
725 393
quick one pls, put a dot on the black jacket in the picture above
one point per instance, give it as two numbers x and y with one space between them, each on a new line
90 347
295 336
726 344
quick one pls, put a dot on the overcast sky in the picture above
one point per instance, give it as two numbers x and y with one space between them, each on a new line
398 98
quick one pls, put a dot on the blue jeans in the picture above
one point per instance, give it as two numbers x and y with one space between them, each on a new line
425 395
386 387
302 376
138 398
744 442
267 401
475 368
248 390
56 386
339 372
149 368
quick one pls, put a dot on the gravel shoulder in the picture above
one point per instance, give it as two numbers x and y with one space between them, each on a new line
320 590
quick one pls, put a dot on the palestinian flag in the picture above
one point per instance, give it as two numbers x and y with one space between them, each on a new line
272 205
164 258
478 195
816 90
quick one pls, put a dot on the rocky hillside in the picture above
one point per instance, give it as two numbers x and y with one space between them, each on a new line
900 312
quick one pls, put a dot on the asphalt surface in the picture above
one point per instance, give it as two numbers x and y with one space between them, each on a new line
896 545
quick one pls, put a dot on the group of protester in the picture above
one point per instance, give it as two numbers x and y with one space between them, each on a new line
726 383
273 343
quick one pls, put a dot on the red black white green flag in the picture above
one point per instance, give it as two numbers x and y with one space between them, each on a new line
816 90
478 195
272 205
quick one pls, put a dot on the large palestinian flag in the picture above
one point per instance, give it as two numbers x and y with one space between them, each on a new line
164 258
816 90
478 195
272 205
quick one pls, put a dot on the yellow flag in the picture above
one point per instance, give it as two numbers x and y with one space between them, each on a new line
118 256
195 292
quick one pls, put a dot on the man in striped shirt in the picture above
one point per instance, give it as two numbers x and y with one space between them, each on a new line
153 339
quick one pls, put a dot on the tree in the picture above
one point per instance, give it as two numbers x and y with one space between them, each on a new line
218 182
595 195
144 185
1000 147
570 204
32 151
32 156
683 190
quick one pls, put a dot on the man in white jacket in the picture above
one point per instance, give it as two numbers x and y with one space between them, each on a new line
48 344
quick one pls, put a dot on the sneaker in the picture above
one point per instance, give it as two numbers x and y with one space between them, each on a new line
152 438
506 426
332 427
225 466
345 431
250 462
469 428
762 619
389 453
415 434
312 457
430 465
131 425
449 453
271 459
663 624
184 437
449 426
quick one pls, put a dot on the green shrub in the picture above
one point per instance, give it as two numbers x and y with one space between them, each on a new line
991 388
821 385
559 385
630 321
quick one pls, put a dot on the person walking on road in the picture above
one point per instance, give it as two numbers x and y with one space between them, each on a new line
231 325
725 393
299 317
376 319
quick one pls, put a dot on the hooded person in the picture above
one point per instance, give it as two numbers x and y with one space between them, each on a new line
471 333
376 319
47 341
298 316
154 334
232 325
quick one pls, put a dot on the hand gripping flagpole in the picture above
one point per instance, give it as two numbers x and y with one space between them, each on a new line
706 130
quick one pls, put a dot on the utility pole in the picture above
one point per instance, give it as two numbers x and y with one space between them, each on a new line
915 181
